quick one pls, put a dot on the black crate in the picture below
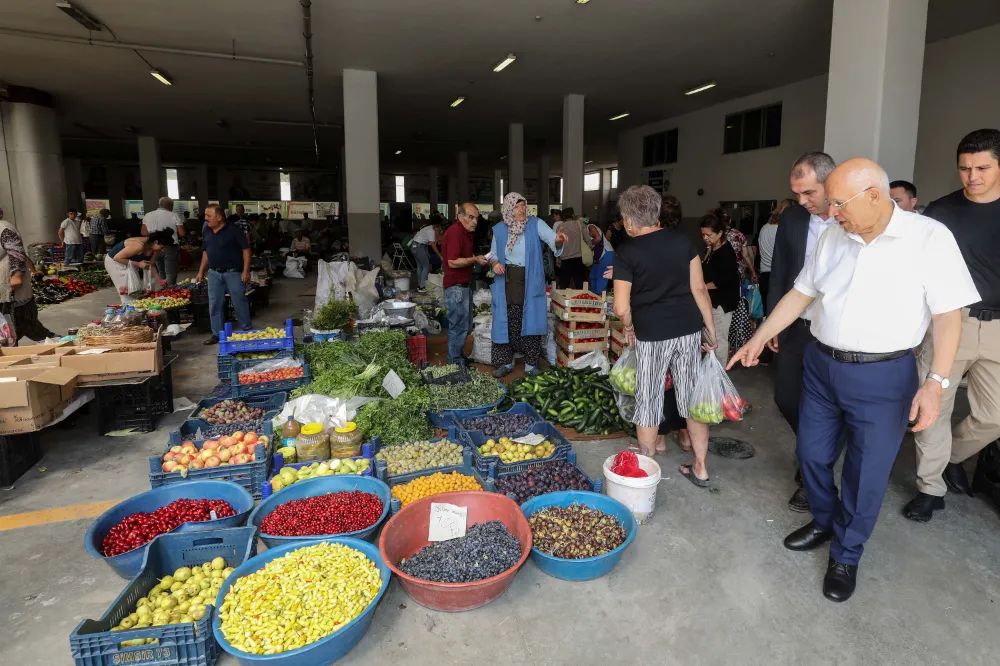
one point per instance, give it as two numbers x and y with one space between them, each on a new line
202 320
987 478
230 313
17 454
137 406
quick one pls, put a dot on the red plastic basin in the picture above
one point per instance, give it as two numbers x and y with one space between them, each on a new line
406 533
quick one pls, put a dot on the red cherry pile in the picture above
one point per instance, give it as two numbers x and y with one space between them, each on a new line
140 528
626 463
333 513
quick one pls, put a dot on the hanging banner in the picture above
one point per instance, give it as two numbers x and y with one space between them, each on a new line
530 193
420 209
276 207
94 206
133 206
298 209
325 209
533 209
555 191
248 207
260 185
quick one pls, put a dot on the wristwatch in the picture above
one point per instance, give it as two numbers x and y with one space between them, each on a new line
943 381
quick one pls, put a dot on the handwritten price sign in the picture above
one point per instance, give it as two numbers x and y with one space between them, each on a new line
447 522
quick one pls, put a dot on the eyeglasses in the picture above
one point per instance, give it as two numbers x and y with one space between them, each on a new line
840 206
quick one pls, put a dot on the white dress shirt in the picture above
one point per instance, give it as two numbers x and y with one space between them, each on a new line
879 297
425 236
817 225
160 219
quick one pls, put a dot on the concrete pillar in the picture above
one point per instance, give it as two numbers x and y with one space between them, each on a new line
224 181
572 162
201 185
151 173
873 94
452 197
361 150
605 196
463 176
116 191
73 174
32 180
544 167
515 159
343 184
497 188
433 189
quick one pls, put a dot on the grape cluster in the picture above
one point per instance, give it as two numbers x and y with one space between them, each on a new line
486 550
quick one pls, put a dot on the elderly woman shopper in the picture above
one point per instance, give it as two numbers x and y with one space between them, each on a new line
519 308
661 298
131 254
16 297
722 276
604 257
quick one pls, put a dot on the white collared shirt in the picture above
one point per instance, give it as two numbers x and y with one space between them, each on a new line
817 225
879 297
160 219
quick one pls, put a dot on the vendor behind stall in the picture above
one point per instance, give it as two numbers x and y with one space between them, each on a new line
226 261
131 254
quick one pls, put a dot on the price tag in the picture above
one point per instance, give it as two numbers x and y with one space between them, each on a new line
530 439
91 351
447 522
393 384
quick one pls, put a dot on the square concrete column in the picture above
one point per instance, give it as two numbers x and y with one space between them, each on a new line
544 166
463 176
452 197
497 189
433 189
151 173
573 152
361 151
224 181
73 173
873 95
116 191
515 159
201 186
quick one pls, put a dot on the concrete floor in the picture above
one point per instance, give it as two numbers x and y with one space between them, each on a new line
706 582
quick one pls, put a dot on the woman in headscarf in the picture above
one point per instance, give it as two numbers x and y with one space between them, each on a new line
16 297
604 258
520 319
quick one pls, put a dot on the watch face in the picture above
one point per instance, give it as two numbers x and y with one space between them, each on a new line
945 383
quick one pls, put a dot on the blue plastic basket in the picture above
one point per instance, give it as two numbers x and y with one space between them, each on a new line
278 462
268 403
225 362
590 567
465 468
232 347
128 564
189 429
93 643
251 475
475 438
244 391
596 485
382 469
518 408
327 336
327 649
441 417
321 486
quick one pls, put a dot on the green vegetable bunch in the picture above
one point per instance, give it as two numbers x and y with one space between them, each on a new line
396 421
335 315
480 390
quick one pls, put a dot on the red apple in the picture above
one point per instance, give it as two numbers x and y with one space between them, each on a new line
213 461
168 456
189 447
197 463
226 441
238 436
240 459
186 459
175 449
169 466
224 455
250 439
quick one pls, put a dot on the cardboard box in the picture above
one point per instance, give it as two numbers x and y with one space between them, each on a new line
32 350
147 361
31 397
23 360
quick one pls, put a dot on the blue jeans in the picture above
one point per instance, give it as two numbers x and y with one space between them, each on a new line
871 402
218 285
458 300
423 263
74 253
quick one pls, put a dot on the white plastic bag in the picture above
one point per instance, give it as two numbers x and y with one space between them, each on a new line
295 267
361 285
594 359
622 380
321 409
482 339
133 280
435 287
550 340
482 296
331 282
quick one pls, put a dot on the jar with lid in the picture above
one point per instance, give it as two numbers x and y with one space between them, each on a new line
313 443
156 319
345 442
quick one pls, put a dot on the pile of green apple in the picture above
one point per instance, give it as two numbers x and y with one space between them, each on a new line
178 598
289 475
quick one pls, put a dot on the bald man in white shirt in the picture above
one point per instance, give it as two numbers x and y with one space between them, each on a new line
875 282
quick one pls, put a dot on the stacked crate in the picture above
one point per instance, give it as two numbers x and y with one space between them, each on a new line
617 339
581 323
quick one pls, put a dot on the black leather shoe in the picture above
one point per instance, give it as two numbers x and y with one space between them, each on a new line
922 507
798 503
956 479
214 340
807 538
840 581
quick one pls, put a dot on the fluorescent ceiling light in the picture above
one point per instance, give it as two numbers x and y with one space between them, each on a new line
509 59
161 77
399 152
588 161
703 88
619 116
504 157
582 2
80 16
192 198
458 100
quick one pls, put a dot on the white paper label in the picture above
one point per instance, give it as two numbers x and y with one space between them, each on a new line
447 522
91 351
393 384
531 439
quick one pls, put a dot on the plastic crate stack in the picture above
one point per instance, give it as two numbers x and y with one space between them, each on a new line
226 362
135 406
18 453
581 323
416 349
617 340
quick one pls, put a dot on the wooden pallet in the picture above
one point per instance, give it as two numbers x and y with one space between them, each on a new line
618 335
564 357
570 330
575 347
571 315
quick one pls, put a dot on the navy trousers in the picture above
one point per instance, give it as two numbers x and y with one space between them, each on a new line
871 402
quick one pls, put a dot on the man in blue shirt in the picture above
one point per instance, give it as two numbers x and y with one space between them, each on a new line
226 260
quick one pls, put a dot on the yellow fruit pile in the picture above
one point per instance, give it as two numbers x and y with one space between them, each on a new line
266 334
439 482
512 452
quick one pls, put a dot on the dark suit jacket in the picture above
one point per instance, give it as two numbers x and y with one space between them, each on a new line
789 253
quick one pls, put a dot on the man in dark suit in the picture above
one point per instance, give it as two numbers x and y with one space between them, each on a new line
799 229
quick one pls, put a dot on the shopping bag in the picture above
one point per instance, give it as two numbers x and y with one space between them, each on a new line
133 280
741 328
751 292
622 379
714 398
8 336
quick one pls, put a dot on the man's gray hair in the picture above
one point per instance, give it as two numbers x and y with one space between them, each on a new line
821 164
166 203
641 204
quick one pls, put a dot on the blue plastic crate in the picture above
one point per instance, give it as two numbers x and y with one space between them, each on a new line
382 470
327 336
225 363
465 468
595 485
244 391
93 643
518 408
189 428
233 347
328 649
251 475
475 438
266 402
459 414
127 565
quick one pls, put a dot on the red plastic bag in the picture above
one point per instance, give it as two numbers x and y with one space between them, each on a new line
626 463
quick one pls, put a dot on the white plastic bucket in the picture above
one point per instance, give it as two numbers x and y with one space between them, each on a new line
401 284
639 495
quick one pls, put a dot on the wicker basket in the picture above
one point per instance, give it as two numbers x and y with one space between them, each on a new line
127 336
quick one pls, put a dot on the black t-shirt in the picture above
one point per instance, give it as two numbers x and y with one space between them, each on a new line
722 269
659 267
225 247
976 227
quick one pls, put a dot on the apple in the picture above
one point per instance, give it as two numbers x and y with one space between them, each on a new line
168 456
186 459
175 449
197 463
250 439
237 449
238 436
189 447
210 445
213 461
226 441
265 439
240 459
224 455
169 466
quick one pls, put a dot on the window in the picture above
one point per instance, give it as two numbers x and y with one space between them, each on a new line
172 190
659 148
591 181
562 198
286 186
614 179
400 190
753 129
